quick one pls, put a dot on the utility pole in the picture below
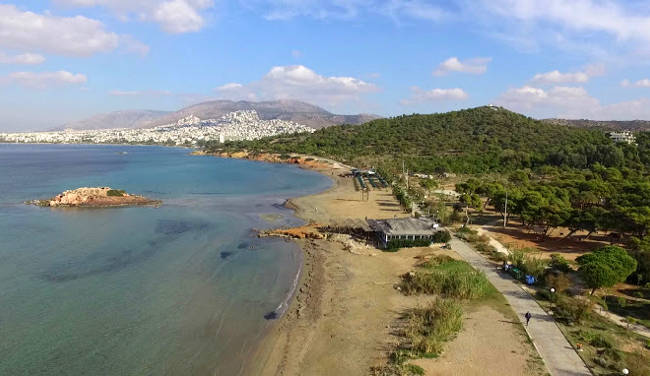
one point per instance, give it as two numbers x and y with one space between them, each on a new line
505 211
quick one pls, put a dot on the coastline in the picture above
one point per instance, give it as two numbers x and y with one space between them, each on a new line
345 314
312 337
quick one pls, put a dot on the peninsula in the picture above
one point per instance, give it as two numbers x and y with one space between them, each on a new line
102 197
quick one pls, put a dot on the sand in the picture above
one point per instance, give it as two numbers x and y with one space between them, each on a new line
340 321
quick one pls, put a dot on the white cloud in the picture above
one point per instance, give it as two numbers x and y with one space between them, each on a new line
640 83
173 16
580 15
556 77
472 66
43 80
609 30
345 9
230 86
299 82
419 95
137 93
26 59
572 103
75 36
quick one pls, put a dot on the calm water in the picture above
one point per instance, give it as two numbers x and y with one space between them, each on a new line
178 290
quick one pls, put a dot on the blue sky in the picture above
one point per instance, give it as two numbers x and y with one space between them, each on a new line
62 60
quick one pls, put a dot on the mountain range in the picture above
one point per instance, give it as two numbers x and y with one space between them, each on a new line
289 110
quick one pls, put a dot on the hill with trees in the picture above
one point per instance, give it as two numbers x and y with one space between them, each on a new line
476 140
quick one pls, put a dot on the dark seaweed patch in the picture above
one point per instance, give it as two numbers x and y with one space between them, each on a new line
225 255
97 264
176 227
271 315
243 245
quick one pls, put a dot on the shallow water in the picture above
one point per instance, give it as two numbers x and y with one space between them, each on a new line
182 289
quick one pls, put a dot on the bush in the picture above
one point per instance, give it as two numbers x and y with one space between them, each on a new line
447 277
559 281
559 263
394 245
529 265
427 329
573 310
115 193
441 237
601 341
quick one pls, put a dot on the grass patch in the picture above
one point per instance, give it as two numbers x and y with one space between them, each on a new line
427 329
116 193
606 347
638 310
448 278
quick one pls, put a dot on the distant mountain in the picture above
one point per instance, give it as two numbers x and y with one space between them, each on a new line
117 119
611 125
290 110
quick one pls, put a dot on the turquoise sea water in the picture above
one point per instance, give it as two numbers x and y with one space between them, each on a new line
183 289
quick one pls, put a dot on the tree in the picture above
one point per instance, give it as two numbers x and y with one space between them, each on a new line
605 267
470 201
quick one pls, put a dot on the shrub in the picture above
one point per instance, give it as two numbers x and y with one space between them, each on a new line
573 310
441 237
602 341
447 277
559 263
559 281
115 193
523 260
427 329
394 245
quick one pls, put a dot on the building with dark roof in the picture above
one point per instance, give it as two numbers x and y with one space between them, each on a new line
403 229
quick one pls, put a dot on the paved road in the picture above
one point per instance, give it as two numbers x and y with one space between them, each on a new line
560 358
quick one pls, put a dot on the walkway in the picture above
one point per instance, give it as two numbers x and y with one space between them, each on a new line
560 358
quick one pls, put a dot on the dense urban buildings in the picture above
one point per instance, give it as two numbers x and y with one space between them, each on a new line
239 125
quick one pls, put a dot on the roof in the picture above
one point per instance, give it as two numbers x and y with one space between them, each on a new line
404 226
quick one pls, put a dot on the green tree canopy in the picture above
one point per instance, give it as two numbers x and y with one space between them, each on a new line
605 267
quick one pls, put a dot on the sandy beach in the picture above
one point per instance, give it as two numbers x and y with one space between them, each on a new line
342 319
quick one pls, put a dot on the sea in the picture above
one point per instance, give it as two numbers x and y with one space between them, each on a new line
185 288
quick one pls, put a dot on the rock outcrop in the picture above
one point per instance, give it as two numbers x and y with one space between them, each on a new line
102 197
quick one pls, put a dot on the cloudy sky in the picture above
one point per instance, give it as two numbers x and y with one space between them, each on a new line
62 60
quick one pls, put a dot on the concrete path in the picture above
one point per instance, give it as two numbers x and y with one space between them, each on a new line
560 358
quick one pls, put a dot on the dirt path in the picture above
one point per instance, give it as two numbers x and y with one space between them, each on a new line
620 321
484 328
560 358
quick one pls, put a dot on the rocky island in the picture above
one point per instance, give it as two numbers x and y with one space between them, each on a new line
103 197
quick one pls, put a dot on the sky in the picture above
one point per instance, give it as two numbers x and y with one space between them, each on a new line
65 60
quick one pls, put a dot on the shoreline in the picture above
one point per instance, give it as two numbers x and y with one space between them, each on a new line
345 314
310 324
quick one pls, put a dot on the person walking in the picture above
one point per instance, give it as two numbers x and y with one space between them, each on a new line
528 316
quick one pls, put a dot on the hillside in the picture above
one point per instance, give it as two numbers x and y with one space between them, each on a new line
117 119
610 125
473 141
289 110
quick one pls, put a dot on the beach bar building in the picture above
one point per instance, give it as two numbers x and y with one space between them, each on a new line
403 229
